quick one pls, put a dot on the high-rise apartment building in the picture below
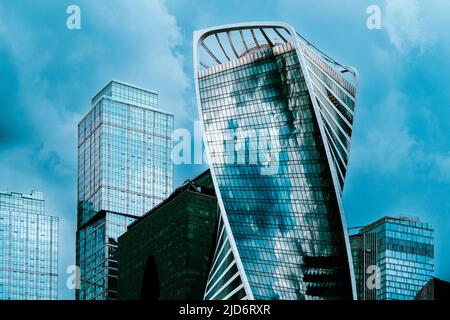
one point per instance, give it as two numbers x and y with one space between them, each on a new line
278 117
167 253
28 248
399 251
124 169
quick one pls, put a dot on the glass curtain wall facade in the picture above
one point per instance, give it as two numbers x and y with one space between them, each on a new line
124 169
287 113
28 248
166 254
404 256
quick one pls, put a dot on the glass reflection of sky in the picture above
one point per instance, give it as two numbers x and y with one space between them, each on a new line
281 222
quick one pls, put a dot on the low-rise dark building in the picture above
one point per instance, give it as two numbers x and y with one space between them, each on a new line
435 289
167 253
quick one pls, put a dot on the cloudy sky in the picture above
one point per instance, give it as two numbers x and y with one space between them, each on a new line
400 158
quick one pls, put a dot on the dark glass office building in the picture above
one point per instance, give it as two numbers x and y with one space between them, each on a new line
167 253
435 289
124 169
278 118
364 253
28 248
402 249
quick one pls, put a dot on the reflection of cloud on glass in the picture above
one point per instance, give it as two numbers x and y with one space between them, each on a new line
286 225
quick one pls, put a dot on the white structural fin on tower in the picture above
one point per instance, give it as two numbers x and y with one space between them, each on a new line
282 236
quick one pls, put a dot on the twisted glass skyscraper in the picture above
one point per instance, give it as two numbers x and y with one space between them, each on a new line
28 248
124 169
277 116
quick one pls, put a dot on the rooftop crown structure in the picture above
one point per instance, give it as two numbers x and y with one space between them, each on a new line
277 116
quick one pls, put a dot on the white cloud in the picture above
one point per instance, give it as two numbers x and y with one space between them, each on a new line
441 167
147 38
405 24
388 145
